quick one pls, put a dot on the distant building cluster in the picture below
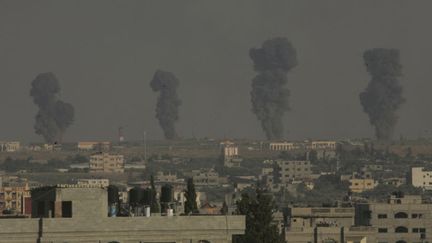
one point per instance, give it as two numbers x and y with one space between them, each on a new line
106 163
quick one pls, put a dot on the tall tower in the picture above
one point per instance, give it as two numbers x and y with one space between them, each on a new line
120 134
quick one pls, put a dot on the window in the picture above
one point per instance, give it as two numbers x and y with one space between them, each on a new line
415 230
401 229
382 216
67 209
382 230
422 230
401 215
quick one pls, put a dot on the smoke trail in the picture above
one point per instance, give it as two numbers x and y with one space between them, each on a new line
168 102
54 116
269 98
383 95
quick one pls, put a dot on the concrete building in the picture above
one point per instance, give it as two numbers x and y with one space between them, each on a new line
421 178
402 219
230 154
167 178
325 225
205 177
283 146
15 199
104 183
107 163
93 145
358 185
65 214
9 146
327 145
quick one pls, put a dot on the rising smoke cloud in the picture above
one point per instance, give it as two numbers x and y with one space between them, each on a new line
54 116
168 102
383 95
270 100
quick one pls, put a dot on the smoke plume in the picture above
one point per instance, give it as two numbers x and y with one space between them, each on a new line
270 99
383 95
168 102
54 116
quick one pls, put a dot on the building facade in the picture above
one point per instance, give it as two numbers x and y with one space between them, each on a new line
106 163
15 199
421 178
283 146
12 146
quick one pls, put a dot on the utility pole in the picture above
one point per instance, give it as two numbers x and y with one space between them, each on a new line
145 145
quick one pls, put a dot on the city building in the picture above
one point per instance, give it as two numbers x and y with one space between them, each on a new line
361 184
15 199
421 178
9 146
230 154
167 178
73 214
283 146
315 145
108 163
93 182
205 177
100 146
402 219
325 225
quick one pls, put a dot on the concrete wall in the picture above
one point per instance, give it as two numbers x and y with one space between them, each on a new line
177 229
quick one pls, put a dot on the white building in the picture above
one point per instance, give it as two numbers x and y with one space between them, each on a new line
283 146
421 178
93 182
104 162
9 146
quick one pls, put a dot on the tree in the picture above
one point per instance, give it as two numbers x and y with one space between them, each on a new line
190 195
154 206
224 209
260 227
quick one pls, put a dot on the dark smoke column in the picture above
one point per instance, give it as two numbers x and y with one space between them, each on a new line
168 102
269 96
54 116
383 95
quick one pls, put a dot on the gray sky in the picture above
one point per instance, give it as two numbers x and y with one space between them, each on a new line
105 54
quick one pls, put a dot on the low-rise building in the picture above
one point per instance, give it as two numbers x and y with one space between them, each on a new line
401 219
326 145
358 185
205 177
9 146
108 163
104 183
421 178
94 145
15 199
283 146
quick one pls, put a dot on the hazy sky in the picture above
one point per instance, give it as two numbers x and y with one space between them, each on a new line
106 52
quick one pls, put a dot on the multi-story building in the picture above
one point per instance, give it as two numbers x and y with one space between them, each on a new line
93 182
361 184
11 146
283 146
421 178
316 145
325 225
105 162
88 146
402 219
284 172
205 177
15 199
230 154
166 178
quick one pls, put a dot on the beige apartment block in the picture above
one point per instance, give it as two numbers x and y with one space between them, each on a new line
9 146
107 163
361 185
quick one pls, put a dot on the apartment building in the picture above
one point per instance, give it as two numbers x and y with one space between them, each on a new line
421 178
283 172
283 146
15 199
93 145
359 185
9 146
317 145
230 154
402 219
325 225
205 177
104 183
108 163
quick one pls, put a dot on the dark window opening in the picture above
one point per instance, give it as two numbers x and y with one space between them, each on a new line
401 215
67 209
401 229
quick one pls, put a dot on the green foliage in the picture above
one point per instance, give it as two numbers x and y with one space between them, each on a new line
260 227
190 195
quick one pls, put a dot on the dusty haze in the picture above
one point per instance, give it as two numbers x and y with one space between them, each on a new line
105 52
